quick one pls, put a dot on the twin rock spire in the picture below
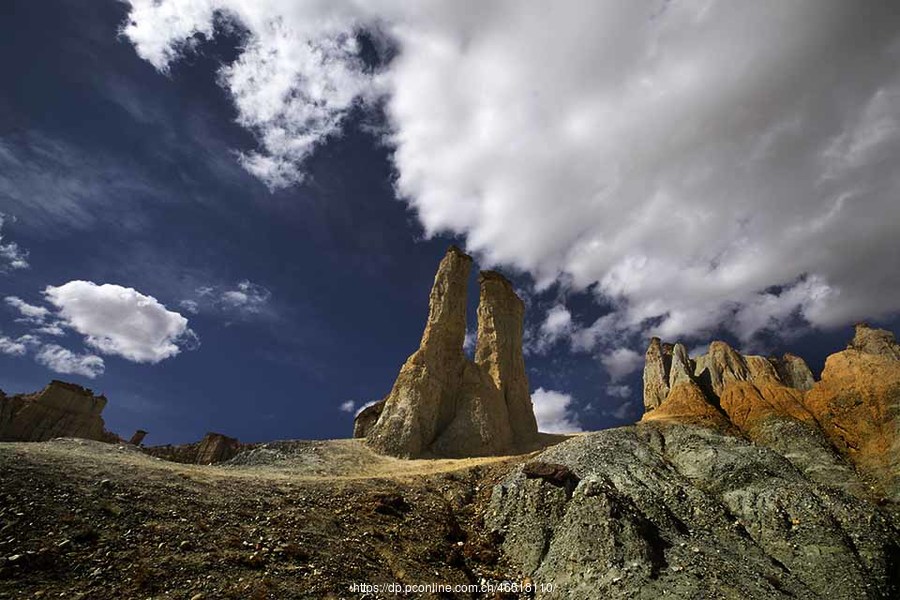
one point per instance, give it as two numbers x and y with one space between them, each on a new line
442 403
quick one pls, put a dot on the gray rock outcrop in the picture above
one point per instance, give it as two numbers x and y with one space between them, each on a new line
442 403
670 510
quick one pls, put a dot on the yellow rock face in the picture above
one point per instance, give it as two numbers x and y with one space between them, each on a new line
686 403
748 404
857 404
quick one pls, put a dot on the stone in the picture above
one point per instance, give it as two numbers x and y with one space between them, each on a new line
498 350
216 448
442 403
367 417
854 409
59 410
138 437
857 405
673 510
794 372
656 375
681 367
686 403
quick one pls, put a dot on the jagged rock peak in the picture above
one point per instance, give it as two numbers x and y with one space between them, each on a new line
681 368
498 350
869 340
794 372
656 375
443 404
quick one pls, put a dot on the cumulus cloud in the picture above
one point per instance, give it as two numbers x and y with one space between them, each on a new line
555 411
704 164
557 325
11 255
121 321
621 362
65 361
347 406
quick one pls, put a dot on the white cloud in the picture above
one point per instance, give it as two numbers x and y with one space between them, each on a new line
347 406
190 306
29 312
12 347
469 341
121 321
556 326
621 362
61 360
618 391
554 411
688 158
246 299
12 257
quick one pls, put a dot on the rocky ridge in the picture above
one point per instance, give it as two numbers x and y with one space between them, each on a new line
60 409
746 478
854 409
445 405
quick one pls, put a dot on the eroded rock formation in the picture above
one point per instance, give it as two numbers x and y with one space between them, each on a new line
59 410
854 408
442 403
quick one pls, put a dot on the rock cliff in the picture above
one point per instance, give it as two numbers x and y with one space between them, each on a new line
442 403
852 410
59 410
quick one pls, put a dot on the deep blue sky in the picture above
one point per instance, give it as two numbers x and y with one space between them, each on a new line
116 173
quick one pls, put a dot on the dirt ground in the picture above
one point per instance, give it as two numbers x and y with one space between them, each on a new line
82 519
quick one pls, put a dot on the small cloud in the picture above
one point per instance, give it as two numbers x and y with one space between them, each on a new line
554 411
469 342
190 306
621 362
61 360
12 347
29 312
249 297
618 391
347 406
246 299
12 257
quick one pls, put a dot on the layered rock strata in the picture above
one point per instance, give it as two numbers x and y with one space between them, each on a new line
59 410
442 403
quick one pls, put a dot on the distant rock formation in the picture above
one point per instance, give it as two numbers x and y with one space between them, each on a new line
213 448
442 403
59 410
855 407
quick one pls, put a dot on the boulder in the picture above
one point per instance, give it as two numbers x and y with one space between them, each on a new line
216 448
363 421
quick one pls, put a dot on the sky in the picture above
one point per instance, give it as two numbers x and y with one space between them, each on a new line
226 215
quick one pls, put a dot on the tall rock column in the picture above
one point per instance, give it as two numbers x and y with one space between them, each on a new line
498 351
423 399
